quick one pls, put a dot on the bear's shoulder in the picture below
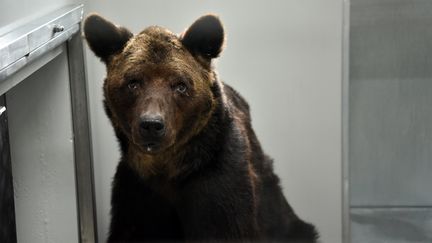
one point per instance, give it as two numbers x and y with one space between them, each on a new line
236 99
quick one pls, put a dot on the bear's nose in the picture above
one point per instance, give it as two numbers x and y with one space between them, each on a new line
152 126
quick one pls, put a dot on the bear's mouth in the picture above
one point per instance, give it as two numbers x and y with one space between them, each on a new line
151 147
148 145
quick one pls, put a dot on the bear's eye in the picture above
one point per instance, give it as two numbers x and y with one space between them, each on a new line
133 84
180 87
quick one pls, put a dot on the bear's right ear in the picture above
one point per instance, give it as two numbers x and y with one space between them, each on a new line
103 37
205 37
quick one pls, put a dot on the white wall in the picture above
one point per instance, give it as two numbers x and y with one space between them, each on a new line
40 129
285 57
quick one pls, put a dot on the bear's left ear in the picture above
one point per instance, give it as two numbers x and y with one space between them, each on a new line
205 37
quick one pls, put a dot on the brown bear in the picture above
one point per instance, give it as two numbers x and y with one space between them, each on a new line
191 167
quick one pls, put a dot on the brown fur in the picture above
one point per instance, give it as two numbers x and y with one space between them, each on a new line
146 51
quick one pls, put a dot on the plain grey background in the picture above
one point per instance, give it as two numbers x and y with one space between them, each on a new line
284 57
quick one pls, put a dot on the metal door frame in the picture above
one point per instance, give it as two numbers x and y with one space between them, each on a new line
26 49
346 220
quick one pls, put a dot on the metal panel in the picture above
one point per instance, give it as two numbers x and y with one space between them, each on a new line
82 141
42 152
27 69
30 41
7 208
390 141
26 49
396 225
26 38
346 223
38 52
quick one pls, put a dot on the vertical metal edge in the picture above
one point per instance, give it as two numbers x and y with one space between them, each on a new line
7 205
346 220
84 176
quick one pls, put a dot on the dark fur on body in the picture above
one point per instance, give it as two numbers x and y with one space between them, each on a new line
213 183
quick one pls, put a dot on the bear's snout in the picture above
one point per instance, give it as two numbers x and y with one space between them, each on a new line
152 127
152 130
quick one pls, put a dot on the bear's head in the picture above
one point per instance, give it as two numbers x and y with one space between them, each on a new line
158 88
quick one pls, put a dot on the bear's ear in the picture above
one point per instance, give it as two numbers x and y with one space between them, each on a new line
205 37
103 37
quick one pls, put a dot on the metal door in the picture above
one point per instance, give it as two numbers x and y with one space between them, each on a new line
389 120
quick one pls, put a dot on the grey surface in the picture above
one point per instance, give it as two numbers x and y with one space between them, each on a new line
390 121
37 45
40 126
17 12
25 69
24 39
82 141
30 57
28 42
391 225
346 221
390 154
284 57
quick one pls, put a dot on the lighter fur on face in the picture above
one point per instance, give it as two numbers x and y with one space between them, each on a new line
136 56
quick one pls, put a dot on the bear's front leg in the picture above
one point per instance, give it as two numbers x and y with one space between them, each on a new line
218 206
139 213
